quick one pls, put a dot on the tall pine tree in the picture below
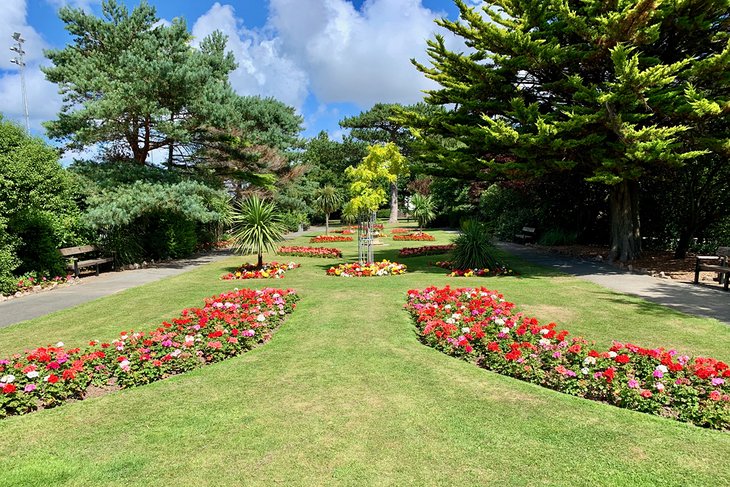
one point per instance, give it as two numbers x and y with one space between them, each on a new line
589 86
129 81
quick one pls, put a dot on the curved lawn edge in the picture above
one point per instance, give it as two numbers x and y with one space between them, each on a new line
228 324
479 325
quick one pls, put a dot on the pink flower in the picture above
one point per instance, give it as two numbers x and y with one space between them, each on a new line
717 381
216 345
29 388
715 395
633 384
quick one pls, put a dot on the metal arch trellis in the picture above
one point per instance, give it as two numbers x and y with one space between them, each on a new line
365 229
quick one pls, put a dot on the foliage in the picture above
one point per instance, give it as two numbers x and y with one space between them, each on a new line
567 87
327 160
38 213
382 165
131 81
327 201
557 236
292 220
473 248
650 380
425 250
48 376
256 227
422 210
152 220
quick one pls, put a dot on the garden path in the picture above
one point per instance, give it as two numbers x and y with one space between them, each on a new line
89 288
686 297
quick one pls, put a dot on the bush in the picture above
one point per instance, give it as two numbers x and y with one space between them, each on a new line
292 219
556 236
473 248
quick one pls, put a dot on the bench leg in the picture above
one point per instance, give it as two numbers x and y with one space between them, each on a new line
97 269
697 273
727 280
76 269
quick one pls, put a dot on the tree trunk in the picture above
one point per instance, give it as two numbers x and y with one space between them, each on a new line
170 153
625 234
261 260
393 202
326 223
685 237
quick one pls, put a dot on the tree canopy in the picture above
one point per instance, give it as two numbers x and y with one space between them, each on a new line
606 90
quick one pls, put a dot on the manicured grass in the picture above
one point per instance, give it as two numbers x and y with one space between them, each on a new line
345 394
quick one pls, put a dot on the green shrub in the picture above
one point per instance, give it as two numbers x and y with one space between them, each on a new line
557 236
8 261
292 219
473 248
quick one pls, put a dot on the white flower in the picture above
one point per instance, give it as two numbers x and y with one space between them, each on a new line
659 386
662 368
7 378
544 331
261 317
499 322
32 374
448 306
450 321
612 354
59 344
466 329
124 363
590 361
544 342
456 316
504 330
584 371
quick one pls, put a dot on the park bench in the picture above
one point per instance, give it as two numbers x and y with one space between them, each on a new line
720 263
76 264
527 235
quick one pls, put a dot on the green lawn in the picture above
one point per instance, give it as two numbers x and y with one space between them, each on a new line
345 394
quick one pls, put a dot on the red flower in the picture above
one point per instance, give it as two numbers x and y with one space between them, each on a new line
609 374
715 395
645 393
623 359
9 388
52 379
574 348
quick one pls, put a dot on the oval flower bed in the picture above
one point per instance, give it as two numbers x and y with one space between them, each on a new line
329 238
415 237
425 250
271 270
344 231
326 252
480 326
384 268
498 270
227 325
401 230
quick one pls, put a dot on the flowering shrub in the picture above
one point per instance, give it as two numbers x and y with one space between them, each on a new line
272 270
417 237
28 281
479 325
498 270
310 252
329 238
425 250
227 325
384 268
401 230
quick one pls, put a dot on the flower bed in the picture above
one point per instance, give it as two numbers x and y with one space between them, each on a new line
384 268
227 325
271 270
479 325
344 231
35 282
415 237
401 230
329 238
425 250
498 270
325 252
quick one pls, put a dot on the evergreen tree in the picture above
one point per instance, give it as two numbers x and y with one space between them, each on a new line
593 87
128 80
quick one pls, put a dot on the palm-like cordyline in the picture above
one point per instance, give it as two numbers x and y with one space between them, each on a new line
422 210
328 200
256 227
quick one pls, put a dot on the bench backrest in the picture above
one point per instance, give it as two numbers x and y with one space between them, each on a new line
723 251
82 249
528 229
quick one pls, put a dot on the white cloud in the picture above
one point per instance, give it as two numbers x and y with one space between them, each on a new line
361 56
43 99
263 68
82 4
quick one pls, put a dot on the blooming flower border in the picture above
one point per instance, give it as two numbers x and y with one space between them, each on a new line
271 270
372 269
479 325
301 251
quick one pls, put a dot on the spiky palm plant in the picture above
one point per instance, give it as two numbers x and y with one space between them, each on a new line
328 200
473 247
422 210
256 227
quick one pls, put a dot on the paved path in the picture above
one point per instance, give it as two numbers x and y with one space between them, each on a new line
93 287
688 298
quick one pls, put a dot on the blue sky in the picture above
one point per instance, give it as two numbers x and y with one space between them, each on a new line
327 58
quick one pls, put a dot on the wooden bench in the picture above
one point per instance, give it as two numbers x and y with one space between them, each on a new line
721 265
527 235
77 264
